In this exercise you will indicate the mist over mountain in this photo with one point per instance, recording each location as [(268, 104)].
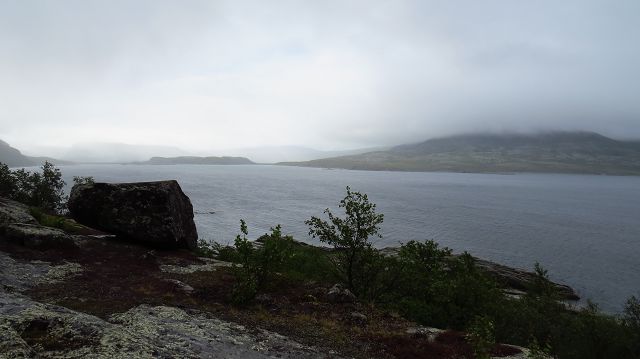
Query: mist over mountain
[(559, 152), (118, 152), (195, 160), (273, 154), (13, 157)]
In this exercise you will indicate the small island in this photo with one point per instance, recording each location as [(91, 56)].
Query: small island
[(195, 160)]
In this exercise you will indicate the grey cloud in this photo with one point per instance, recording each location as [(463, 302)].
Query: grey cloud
[(208, 75)]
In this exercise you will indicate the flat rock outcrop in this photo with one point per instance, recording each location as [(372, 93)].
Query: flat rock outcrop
[(155, 213), (521, 279), (33, 329), (14, 212), (36, 236)]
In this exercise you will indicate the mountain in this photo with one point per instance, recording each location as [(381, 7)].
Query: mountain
[(555, 152), (108, 152), (193, 160), (273, 154), (13, 157)]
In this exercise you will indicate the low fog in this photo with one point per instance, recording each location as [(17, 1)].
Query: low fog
[(214, 77)]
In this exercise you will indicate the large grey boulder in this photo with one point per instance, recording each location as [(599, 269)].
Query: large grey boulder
[(14, 212), (156, 213)]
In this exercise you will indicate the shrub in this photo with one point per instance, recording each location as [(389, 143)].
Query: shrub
[(537, 351), (256, 264), (7, 181), (82, 180), (480, 335), (309, 263), (43, 190), (206, 249), (356, 261)]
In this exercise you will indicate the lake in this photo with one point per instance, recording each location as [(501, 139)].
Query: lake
[(584, 229)]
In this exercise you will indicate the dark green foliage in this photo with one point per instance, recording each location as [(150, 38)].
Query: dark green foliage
[(55, 221), (206, 249), (632, 313), (356, 262), (81, 180), (631, 321), (43, 190), (257, 264), (437, 289), (481, 337), (309, 263), (537, 351), (7, 182)]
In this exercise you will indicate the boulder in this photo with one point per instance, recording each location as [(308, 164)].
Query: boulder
[(521, 280), (155, 213), (339, 294), (14, 212), (36, 236)]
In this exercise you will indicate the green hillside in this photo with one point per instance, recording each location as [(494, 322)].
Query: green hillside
[(559, 152)]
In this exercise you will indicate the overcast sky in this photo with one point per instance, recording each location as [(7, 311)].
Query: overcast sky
[(207, 75)]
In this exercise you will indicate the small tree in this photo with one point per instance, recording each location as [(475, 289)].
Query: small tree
[(83, 180), (481, 337), (7, 182), (350, 237), (43, 190), (258, 263), (48, 188)]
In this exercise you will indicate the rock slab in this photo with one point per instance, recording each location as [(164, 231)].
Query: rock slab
[(154, 213), (14, 212)]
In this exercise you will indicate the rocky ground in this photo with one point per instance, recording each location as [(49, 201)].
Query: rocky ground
[(99, 297), (32, 328)]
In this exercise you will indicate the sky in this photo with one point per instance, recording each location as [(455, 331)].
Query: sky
[(210, 75)]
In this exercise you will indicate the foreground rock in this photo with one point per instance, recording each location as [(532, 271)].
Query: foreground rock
[(36, 236), (156, 213), (14, 212), (521, 280), (31, 329)]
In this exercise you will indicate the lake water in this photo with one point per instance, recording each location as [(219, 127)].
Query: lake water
[(584, 229)]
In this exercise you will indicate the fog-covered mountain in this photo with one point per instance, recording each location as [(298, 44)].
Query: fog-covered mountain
[(559, 152), (14, 158), (194, 160), (273, 154), (118, 152)]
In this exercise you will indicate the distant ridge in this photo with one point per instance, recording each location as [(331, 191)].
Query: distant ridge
[(12, 157), (194, 160), (553, 152)]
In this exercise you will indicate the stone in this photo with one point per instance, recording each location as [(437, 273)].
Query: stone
[(14, 212), (263, 299), (424, 332), (339, 294), (36, 236), (179, 285), (521, 280), (358, 318), (153, 213)]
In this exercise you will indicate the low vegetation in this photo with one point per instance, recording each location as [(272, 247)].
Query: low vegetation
[(421, 282), (425, 283), (42, 189)]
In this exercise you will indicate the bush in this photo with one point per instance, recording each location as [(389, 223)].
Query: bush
[(480, 335), (256, 264), (43, 190), (356, 262), (82, 180)]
